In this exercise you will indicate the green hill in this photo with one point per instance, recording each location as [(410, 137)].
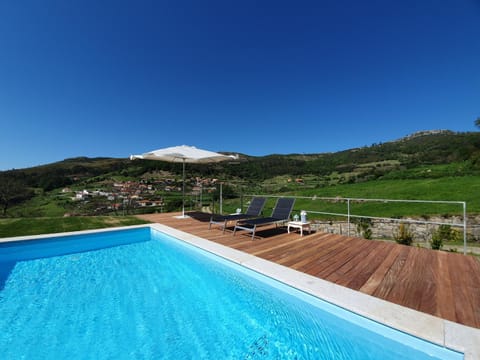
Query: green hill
[(440, 165)]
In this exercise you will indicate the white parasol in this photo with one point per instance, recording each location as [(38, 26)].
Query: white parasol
[(184, 154)]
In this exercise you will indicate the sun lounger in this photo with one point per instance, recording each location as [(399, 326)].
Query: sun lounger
[(254, 210), (281, 213)]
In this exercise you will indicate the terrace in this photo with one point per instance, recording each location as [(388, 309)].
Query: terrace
[(445, 285)]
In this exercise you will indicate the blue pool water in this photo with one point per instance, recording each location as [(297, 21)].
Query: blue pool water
[(142, 294)]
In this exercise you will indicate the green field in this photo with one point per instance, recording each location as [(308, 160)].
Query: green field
[(50, 210), (447, 188), (444, 189), (462, 189)]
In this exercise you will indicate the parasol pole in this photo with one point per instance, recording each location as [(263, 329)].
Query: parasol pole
[(183, 190)]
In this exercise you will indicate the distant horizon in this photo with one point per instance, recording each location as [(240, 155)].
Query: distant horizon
[(419, 133), (116, 78)]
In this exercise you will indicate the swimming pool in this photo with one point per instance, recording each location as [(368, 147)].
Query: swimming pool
[(140, 293)]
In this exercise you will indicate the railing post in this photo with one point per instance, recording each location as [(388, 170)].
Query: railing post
[(464, 228), (221, 200), (348, 216)]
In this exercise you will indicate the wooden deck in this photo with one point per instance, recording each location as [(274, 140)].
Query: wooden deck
[(443, 284)]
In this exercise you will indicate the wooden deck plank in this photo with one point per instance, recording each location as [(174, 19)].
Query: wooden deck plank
[(374, 281), (320, 261), (465, 289), (438, 283), (331, 266), (286, 251), (349, 263), (294, 255), (443, 279), (474, 288), (417, 280), (365, 267), (387, 284), (319, 246), (301, 244), (427, 293)]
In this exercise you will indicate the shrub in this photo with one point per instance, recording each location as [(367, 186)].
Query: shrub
[(403, 235), (436, 243), (363, 227), (442, 234)]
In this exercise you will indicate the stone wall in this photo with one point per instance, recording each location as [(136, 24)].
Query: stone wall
[(385, 229)]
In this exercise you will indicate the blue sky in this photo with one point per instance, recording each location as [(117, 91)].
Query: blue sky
[(114, 78)]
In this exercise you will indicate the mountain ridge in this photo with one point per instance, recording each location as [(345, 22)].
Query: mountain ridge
[(423, 148)]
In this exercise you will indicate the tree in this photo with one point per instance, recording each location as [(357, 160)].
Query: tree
[(12, 191), (477, 122)]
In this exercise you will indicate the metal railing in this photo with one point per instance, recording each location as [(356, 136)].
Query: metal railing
[(349, 215)]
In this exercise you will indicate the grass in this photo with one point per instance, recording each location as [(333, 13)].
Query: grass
[(464, 188), (48, 225), (50, 205), (442, 189)]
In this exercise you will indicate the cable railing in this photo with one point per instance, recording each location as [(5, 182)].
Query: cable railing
[(349, 214), (310, 205)]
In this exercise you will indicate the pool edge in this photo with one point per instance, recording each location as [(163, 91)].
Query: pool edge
[(70, 233)]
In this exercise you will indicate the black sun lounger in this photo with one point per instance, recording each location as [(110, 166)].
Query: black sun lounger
[(281, 213), (254, 210)]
